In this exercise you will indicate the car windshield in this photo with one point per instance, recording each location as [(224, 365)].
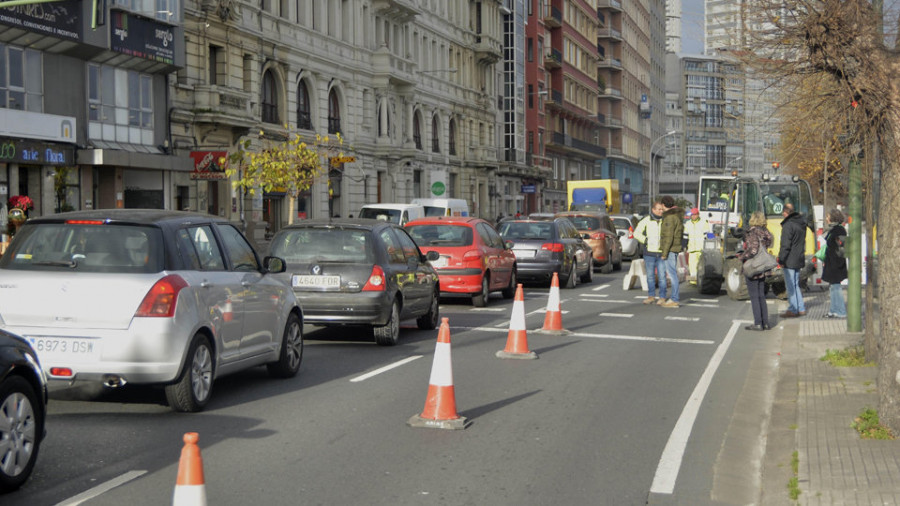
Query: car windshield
[(99, 247), (526, 230), (305, 245), (622, 223), (776, 195), (435, 211), (441, 235), (585, 222), (371, 213)]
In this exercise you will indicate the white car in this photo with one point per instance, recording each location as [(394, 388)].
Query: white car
[(147, 297)]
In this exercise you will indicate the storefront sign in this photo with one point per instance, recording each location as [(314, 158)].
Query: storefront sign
[(58, 19), (35, 152), (528, 188), (206, 165), (37, 125), (141, 37)]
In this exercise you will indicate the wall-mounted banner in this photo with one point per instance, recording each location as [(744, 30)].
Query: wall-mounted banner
[(206, 165), (137, 36), (35, 152), (56, 19)]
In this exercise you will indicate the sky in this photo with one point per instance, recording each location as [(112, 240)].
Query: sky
[(692, 26)]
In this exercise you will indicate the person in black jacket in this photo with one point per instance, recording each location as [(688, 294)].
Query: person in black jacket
[(792, 257), (835, 269)]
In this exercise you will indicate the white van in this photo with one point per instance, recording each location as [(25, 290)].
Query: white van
[(444, 207), (400, 214)]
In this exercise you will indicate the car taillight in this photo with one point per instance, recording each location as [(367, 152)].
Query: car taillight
[(162, 297), (600, 236), (553, 247), (376, 280)]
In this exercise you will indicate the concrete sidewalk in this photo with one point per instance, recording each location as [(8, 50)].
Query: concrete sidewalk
[(815, 404)]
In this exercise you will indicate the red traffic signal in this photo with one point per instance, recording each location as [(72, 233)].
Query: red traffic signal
[(775, 165)]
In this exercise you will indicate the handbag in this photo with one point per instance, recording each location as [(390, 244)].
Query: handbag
[(763, 261), (820, 255)]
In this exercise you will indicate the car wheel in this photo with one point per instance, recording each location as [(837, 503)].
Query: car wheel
[(510, 291), (291, 354), (389, 334), (589, 275), (21, 428), (429, 320), (192, 390), (617, 266), (481, 299), (572, 278)]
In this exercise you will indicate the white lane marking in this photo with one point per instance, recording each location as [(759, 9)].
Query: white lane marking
[(536, 311), (101, 488), (640, 296), (594, 295), (601, 287), (605, 336), (692, 304), (617, 315), (673, 454), (488, 309), (386, 368), (714, 301), (501, 325), (615, 301), (683, 318)]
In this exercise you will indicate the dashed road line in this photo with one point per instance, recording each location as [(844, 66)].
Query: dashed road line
[(705, 300), (694, 304), (91, 493), (617, 315), (601, 287), (488, 309), (386, 368), (593, 295), (683, 318)]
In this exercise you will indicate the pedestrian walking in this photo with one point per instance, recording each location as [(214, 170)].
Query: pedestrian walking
[(835, 269), (696, 229), (647, 233), (670, 234), (792, 258), (757, 238)]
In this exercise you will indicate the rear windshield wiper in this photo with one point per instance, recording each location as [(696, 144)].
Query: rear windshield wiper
[(56, 263)]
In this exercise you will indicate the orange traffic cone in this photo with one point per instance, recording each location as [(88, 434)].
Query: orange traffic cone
[(517, 338), (190, 489), (553, 318), (440, 404)]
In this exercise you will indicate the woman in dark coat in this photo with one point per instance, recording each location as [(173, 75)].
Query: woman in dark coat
[(835, 269), (757, 237)]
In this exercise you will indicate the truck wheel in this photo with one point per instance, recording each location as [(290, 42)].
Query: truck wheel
[(735, 281), (709, 272)]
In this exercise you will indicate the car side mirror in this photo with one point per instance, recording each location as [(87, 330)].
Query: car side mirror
[(274, 265), (509, 244), (431, 256)]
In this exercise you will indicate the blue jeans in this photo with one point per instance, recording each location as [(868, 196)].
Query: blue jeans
[(655, 275), (838, 307), (672, 271), (795, 298)]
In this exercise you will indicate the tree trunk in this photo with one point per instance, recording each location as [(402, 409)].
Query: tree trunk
[(293, 199), (889, 268), (871, 339)]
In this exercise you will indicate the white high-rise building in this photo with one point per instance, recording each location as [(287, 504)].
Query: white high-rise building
[(673, 26)]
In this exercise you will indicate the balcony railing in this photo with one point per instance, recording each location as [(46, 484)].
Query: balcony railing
[(552, 58), (568, 141), (552, 16), (609, 4), (609, 33)]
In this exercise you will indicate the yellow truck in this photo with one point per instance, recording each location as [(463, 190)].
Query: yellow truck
[(594, 195)]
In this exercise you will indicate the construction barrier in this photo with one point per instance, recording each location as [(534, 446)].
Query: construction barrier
[(517, 337), (553, 318)]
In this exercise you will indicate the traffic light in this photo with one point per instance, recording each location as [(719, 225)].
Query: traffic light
[(775, 165)]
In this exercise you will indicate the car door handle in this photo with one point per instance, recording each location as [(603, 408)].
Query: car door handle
[(245, 283), (205, 284)]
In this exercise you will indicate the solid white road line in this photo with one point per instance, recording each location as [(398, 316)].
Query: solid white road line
[(683, 318), (617, 315), (692, 304), (601, 287), (101, 488), (488, 309), (594, 295), (604, 336), (714, 301), (673, 454), (386, 368)]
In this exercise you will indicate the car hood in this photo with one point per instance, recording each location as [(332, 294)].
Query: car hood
[(71, 300)]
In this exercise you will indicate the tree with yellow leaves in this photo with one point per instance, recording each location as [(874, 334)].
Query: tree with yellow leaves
[(291, 166)]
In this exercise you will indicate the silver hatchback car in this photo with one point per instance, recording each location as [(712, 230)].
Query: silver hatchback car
[(148, 297)]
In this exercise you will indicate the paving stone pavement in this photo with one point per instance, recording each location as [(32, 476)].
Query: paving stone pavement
[(836, 467)]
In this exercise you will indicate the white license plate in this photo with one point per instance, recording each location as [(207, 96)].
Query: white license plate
[(440, 262), (65, 349), (524, 253), (316, 281)]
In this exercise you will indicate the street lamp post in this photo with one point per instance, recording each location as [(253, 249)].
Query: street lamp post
[(661, 137)]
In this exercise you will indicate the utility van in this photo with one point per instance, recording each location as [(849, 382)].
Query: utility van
[(443, 207), (401, 214)]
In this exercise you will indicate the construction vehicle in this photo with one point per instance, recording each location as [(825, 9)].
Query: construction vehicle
[(719, 263), (594, 195), (713, 199)]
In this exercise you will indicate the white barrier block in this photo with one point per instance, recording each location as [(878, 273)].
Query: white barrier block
[(637, 272)]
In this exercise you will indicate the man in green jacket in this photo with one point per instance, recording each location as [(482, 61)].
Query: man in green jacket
[(647, 232), (671, 231)]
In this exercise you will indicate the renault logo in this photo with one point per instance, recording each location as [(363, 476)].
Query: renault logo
[(316, 269)]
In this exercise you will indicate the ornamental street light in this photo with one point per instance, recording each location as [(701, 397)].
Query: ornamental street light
[(661, 137)]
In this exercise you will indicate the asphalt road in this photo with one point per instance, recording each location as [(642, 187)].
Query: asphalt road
[(604, 416)]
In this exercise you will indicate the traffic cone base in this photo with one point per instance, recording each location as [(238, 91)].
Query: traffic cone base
[(553, 318), (440, 403), (517, 338), (190, 486)]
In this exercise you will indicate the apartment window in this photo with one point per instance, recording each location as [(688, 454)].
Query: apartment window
[(304, 120), (435, 135), (530, 96), (334, 113), (417, 131), (215, 61), (530, 49), (120, 105), (21, 79), (269, 98), (452, 135)]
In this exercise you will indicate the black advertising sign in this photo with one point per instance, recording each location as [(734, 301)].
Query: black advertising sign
[(35, 152), (137, 36), (57, 19)]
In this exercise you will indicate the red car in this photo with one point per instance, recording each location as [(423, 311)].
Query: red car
[(474, 259)]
